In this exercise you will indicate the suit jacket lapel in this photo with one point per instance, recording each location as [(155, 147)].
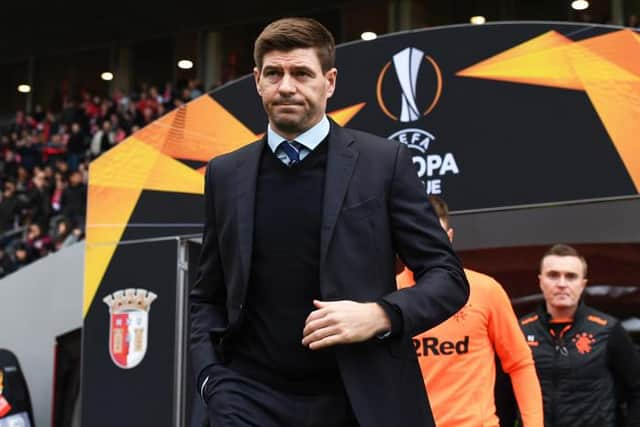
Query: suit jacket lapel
[(245, 181), (341, 160)]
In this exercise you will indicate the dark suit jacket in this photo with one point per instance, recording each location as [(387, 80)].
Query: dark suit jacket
[(374, 208)]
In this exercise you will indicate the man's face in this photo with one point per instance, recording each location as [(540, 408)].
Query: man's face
[(21, 254), (75, 178), (294, 89), (562, 281), (9, 189)]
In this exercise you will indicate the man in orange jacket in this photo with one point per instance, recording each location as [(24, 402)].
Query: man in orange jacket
[(457, 357)]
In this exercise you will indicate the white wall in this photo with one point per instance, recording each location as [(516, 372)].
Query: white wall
[(38, 303)]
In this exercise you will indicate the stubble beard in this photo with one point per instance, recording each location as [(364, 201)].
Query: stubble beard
[(291, 124)]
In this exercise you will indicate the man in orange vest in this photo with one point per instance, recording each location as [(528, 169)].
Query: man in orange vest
[(457, 357)]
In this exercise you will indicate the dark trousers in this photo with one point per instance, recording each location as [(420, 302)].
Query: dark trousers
[(237, 401)]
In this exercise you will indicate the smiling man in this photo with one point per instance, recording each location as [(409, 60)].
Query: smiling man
[(295, 317), (585, 361)]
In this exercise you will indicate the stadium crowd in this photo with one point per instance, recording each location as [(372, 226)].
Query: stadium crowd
[(44, 162)]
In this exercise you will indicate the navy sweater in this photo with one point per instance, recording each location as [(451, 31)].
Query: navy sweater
[(285, 279)]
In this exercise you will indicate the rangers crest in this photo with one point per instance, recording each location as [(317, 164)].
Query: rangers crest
[(129, 325)]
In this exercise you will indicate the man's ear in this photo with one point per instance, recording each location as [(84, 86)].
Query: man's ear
[(256, 76), (585, 282), (450, 233), (331, 77)]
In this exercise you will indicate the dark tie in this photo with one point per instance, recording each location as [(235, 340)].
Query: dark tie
[(291, 151)]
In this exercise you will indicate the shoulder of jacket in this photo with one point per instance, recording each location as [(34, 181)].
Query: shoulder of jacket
[(599, 318), (371, 140), (488, 288), (529, 319), (482, 278), (232, 157)]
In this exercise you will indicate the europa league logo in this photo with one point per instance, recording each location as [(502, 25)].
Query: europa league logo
[(407, 64)]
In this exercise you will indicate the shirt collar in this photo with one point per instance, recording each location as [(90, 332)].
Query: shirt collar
[(311, 138)]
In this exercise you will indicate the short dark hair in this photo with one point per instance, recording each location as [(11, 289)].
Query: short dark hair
[(441, 209), (560, 249), (293, 33)]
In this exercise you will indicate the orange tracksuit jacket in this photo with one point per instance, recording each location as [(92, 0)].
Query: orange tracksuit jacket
[(457, 359)]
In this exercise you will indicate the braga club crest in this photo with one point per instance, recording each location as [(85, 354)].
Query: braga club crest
[(408, 88), (128, 325)]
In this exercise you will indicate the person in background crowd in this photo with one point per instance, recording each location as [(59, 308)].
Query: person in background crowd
[(59, 143), (76, 146), (10, 164), (6, 263), (22, 256), (38, 113), (38, 242), (29, 150), (23, 178), (64, 235), (39, 198), (60, 184), (9, 207), (74, 199), (103, 139), (586, 363), (457, 357), (195, 88)]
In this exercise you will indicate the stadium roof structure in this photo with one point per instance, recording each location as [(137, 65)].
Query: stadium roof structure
[(53, 27)]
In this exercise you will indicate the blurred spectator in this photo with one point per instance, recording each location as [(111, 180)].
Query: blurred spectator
[(633, 21), (44, 159), (64, 235), (154, 94), (6, 263), (38, 198), (20, 123), (58, 189), (21, 257), (50, 126), (121, 99), (28, 149), (143, 102), (90, 105), (148, 116), (74, 199), (103, 139), (76, 146), (195, 88), (38, 113), (8, 207), (70, 113), (38, 242), (9, 165), (55, 148), (168, 95), (63, 167)]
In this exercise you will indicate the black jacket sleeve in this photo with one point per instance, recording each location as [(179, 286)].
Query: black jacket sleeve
[(208, 296), (441, 287), (624, 360)]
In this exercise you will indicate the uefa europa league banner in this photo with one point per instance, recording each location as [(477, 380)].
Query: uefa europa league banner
[(495, 116)]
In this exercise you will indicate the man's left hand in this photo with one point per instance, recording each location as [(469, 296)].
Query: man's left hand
[(343, 322)]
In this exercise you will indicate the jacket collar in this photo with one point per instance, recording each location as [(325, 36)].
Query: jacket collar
[(341, 161), (545, 317)]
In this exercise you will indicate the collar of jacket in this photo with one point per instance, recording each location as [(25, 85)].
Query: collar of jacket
[(545, 317)]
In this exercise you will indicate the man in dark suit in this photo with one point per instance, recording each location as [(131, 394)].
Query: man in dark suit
[(296, 320)]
